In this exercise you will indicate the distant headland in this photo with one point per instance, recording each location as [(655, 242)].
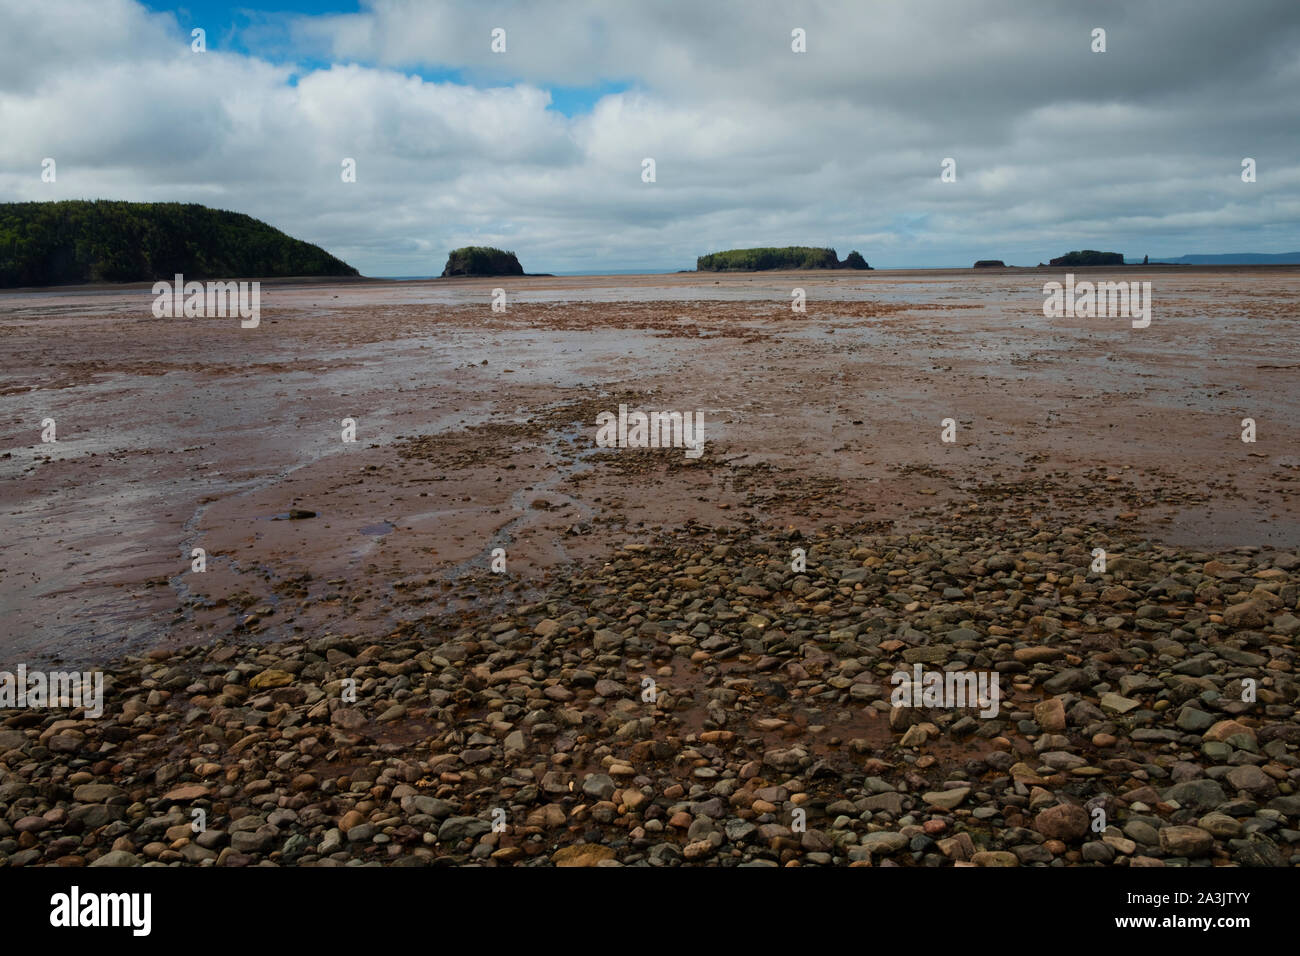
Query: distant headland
[(81, 241)]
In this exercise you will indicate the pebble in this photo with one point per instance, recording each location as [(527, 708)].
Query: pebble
[(1119, 690)]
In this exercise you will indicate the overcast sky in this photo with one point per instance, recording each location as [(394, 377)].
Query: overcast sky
[(539, 149)]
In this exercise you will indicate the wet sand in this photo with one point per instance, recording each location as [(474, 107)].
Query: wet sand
[(475, 431)]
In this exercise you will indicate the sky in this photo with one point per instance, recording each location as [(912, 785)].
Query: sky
[(541, 148)]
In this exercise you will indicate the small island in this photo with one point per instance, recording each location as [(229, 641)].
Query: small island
[(1089, 257), (83, 241), (990, 264), (786, 257), (481, 261)]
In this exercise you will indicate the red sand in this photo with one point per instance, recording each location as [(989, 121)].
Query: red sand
[(182, 433)]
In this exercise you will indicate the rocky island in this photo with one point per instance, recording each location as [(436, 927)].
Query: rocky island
[(785, 257), (1089, 257), (481, 261)]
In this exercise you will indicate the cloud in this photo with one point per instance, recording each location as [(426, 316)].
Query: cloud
[(1137, 149)]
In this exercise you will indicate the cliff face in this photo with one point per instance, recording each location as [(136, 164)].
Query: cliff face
[(51, 243), (481, 261)]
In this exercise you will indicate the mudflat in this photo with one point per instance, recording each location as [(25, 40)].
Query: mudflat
[(769, 671), (476, 430)]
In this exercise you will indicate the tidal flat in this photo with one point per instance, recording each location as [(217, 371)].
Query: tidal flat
[(643, 657)]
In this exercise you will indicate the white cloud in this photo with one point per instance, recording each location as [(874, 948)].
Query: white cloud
[(1137, 149)]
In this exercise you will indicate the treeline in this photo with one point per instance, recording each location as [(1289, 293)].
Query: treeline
[(481, 261), (785, 257), (75, 241), (1089, 257)]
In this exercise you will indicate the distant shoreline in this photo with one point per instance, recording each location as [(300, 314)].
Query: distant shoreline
[(828, 275)]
